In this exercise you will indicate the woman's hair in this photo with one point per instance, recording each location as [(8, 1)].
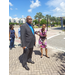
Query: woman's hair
[(10, 26)]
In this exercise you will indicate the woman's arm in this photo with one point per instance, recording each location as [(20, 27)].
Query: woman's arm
[(9, 35), (15, 35)]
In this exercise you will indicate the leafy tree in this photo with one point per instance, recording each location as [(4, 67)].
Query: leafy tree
[(38, 16), (53, 19), (43, 21), (36, 22)]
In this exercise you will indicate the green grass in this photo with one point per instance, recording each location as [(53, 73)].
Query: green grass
[(63, 30), (38, 27)]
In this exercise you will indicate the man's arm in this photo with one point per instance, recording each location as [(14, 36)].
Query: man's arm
[(23, 38)]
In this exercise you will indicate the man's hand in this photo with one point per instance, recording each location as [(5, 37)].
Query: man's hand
[(24, 47), (16, 36), (19, 37)]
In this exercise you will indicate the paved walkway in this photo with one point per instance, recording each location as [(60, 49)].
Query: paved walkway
[(55, 65)]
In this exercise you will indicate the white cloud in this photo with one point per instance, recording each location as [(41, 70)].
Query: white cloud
[(16, 9), (54, 3), (15, 15), (22, 16), (30, 10), (10, 17), (58, 7), (10, 4), (11, 9), (47, 12), (34, 5)]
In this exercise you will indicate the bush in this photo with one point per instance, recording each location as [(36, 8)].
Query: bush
[(15, 23), (59, 23)]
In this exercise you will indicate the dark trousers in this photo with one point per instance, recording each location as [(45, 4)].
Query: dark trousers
[(27, 55), (12, 42)]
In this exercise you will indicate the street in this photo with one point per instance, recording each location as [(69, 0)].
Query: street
[(57, 42)]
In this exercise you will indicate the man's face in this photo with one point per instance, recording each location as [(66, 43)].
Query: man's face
[(29, 20)]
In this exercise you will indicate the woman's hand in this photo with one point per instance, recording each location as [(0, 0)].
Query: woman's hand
[(9, 38), (16, 37)]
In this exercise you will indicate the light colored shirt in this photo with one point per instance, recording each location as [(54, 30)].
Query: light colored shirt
[(19, 32)]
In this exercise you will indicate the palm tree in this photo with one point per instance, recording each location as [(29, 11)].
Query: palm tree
[(53, 19), (38, 16), (57, 20)]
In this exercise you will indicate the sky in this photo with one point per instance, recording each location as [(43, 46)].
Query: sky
[(23, 8)]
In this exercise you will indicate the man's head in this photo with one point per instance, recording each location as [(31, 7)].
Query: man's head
[(20, 25), (29, 19)]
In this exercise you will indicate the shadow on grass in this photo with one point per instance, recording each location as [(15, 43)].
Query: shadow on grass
[(60, 56)]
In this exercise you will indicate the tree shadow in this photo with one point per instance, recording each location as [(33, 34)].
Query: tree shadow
[(58, 28), (60, 56), (37, 52), (61, 69)]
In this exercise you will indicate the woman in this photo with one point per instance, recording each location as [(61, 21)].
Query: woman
[(12, 35), (43, 39)]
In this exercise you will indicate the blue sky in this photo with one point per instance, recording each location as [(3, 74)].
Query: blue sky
[(23, 8)]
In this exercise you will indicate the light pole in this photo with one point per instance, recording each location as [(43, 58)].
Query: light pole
[(51, 24), (47, 22)]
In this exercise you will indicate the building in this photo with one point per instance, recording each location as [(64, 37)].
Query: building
[(17, 20)]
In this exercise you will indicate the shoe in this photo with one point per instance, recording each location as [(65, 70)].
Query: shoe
[(47, 57), (41, 56), (10, 48), (26, 67), (32, 62), (14, 47)]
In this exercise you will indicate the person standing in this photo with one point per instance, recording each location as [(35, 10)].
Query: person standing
[(43, 39), (19, 34), (19, 31), (27, 41), (12, 35)]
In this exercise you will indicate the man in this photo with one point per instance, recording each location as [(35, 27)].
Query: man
[(27, 41), (19, 32)]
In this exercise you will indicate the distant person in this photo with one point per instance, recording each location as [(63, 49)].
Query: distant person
[(19, 32), (12, 35), (43, 39), (27, 41)]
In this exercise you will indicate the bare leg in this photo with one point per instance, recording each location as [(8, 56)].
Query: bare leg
[(41, 52), (46, 52)]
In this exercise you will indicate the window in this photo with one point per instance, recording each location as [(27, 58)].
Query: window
[(9, 20), (14, 21)]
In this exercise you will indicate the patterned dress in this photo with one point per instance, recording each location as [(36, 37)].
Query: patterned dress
[(42, 39)]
